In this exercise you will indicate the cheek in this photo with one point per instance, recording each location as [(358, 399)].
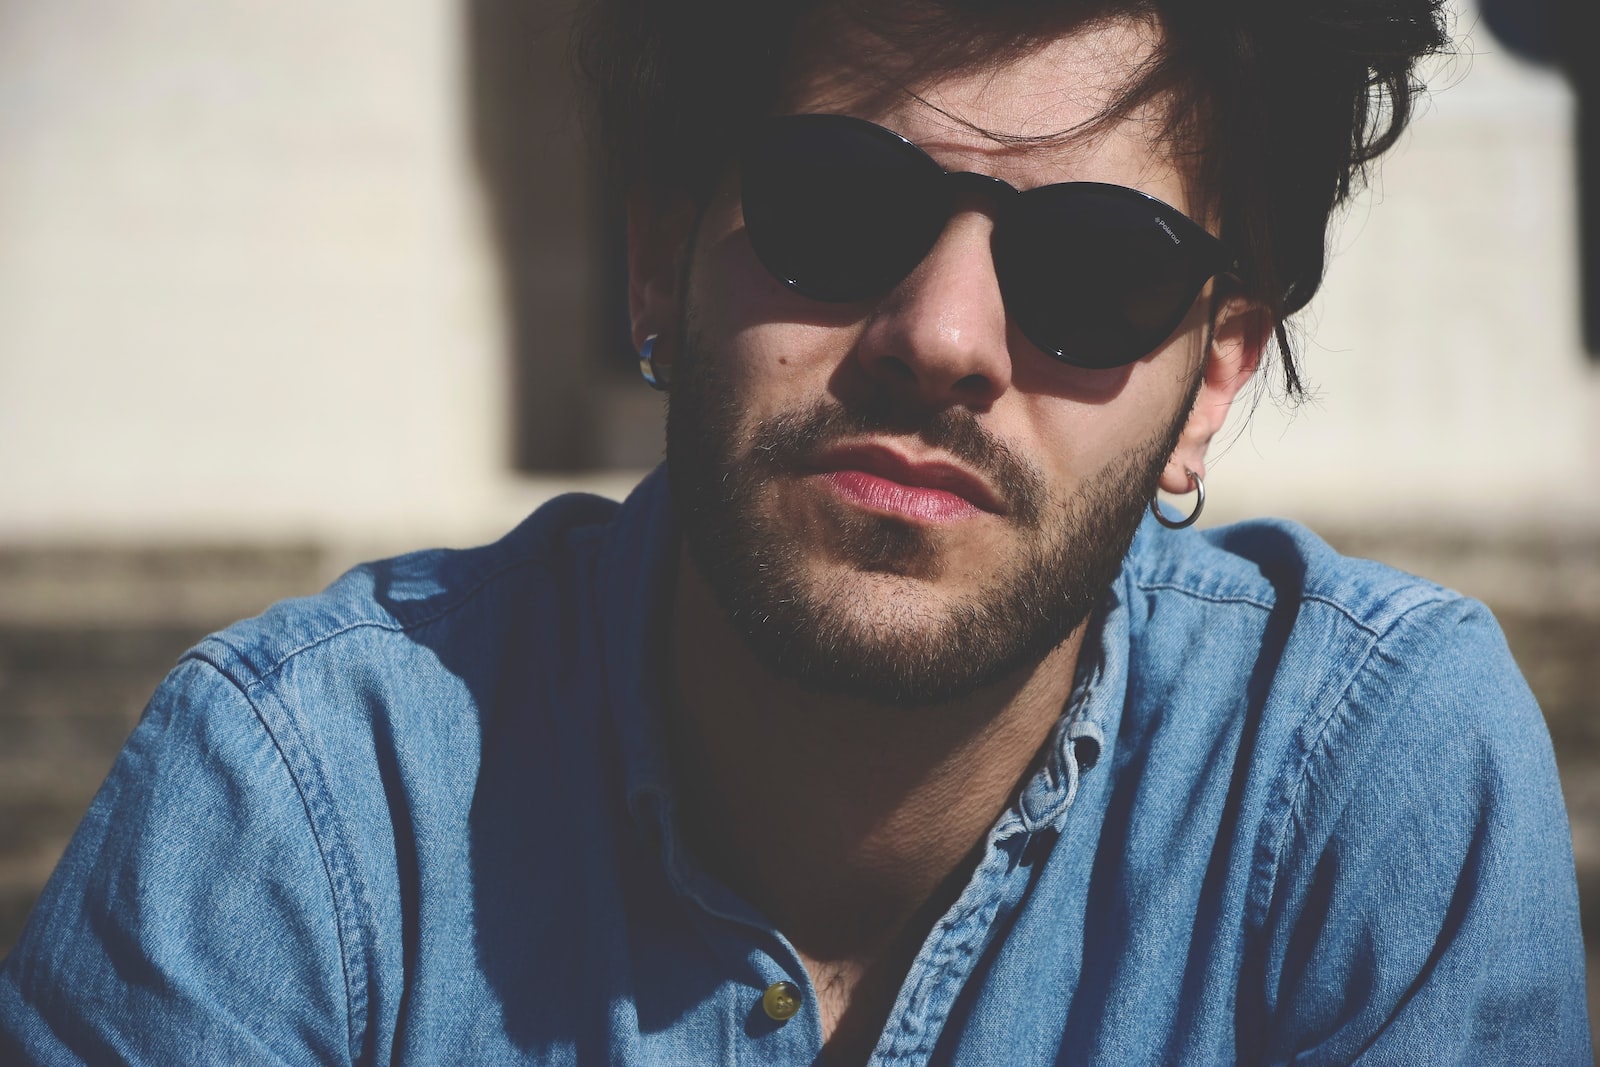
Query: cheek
[(731, 288), (1083, 431), (773, 348)]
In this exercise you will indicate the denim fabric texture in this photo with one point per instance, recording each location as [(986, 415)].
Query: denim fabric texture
[(1299, 808)]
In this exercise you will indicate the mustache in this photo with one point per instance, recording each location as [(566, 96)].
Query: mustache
[(788, 442)]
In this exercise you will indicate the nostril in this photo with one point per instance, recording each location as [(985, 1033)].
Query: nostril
[(895, 367), (974, 383)]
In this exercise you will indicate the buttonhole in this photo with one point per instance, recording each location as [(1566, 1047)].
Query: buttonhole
[(1086, 752)]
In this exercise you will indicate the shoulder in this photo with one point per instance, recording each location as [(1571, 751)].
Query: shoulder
[(1272, 587), (1399, 795), (1362, 695), (1350, 643), (1271, 563), (1407, 872), (1268, 598), (385, 602), (394, 676)]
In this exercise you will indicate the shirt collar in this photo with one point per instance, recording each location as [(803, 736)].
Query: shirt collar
[(1084, 734)]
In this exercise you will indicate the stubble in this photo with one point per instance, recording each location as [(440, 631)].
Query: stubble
[(874, 623)]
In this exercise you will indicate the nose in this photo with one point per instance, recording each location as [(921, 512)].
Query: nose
[(939, 338)]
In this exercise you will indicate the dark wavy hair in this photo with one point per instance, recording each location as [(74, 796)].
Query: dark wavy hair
[(1279, 106)]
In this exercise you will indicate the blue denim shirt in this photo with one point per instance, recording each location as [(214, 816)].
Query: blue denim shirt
[(1299, 808)]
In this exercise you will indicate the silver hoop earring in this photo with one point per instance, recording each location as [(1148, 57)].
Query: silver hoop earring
[(658, 377), (1199, 505)]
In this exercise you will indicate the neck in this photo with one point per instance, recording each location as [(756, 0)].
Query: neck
[(850, 824)]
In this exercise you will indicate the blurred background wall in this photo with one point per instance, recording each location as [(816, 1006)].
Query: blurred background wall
[(288, 270), (283, 285)]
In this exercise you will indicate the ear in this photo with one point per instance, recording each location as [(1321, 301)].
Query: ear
[(1239, 334), (659, 234)]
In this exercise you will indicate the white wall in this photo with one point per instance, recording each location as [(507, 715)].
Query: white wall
[(243, 288), (1445, 352), (244, 291)]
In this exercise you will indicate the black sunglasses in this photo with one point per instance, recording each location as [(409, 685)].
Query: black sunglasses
[(840, 210)]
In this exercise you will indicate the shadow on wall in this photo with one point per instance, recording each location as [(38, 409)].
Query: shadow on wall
[(557, 239), (1562, 32)]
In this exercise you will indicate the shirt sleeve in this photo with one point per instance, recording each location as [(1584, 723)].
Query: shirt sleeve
[(192, 917), (1423, 906)]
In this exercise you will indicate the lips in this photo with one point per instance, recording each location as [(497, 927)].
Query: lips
[(882, 479)]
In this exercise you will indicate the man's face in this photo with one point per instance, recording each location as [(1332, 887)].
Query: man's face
[(903, 498)]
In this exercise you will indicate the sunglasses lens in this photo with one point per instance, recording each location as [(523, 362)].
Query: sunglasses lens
[(1097, 276), (838, 209)]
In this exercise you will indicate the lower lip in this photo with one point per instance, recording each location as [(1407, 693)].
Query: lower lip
[(895, 498)]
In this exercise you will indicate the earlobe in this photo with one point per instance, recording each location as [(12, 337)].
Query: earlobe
[(1239, 335)]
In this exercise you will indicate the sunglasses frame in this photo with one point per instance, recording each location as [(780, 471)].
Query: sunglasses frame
[(1207, 256)]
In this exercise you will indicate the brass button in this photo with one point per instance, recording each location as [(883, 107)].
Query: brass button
[(781, 1001)]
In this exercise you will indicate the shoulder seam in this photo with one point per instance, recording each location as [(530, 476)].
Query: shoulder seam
[(1436, 595), (391, 624), (1274, 836), (1211, 598), (356, 995)]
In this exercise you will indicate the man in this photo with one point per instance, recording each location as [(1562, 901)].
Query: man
[(877, 727)]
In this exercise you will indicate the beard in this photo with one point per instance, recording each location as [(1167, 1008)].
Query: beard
[(878, 628)]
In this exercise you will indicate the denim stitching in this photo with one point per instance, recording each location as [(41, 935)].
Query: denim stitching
[(390, 624), (1210, 598), (334, 868), (1435, 596), (1269, 863)]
